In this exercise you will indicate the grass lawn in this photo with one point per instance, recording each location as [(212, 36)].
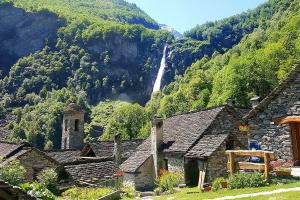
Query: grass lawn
[(194, 194), (281, 196), (84, 193)]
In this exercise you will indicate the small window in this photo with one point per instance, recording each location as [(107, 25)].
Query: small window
[(66, 125), (166, 164), (65, 143), (76, 124)]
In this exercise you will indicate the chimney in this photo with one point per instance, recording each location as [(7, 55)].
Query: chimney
[(156, 142), (255, 101), (118, 149)]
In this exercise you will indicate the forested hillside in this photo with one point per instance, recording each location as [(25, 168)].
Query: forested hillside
[(95, 53), (219, 36), (57, 52), (253, 67)]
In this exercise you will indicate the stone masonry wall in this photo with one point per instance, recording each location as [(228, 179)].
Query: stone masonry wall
[(72, 139), (145, 175), (175, 164), (273, 137), (217, 164), (34, 163)]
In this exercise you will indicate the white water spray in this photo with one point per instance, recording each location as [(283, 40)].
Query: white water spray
[(161, 71)]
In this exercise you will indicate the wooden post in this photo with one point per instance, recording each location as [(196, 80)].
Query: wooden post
[(267, 161), (231, 160)]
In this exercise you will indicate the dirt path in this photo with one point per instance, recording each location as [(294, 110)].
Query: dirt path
[(259, 194)]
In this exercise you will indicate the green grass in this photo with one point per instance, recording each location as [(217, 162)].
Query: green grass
[(194, 193), (84, 193), (281, 196)]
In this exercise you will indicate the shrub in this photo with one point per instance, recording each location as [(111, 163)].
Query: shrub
[(37, 190), (169, 180), (129, 191), (86, 193), (13, 173), (217, 183), (241, 180), (48, 178)]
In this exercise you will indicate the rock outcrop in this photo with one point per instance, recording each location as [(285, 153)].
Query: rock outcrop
[(23, 33)]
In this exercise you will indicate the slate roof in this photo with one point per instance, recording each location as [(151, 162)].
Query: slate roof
[(73, 108), (277, 91), (206, 146), (64, 156), (184, 130), (92, 172), (8, 148), (104, 149), (23, 151), (181, 132), (9, 189), (138, 158)]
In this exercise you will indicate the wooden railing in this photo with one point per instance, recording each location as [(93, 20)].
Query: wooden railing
[(232, 165)]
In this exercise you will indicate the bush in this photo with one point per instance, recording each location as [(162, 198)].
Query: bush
[(217, 183), (37, 190), (129, 191), (13, 173), (86, 193), (241, 180), (169, 180), (48, 179)]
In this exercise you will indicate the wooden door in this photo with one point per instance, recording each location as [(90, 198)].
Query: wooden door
[(295, 139)]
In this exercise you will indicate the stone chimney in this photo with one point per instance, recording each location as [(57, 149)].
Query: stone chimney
[(118, 149), (255, 101), (156, 142)]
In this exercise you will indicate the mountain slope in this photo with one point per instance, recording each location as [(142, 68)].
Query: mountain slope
[(96, 49), (204, 40), (253, 67)]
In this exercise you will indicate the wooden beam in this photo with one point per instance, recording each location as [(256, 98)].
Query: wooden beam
[(248, 165), (266, 165), (257, 153), (287, 120)]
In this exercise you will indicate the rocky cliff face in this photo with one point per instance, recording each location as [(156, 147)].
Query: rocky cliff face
[(23, 33)]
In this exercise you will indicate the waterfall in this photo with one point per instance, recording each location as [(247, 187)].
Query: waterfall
[(161, 71)]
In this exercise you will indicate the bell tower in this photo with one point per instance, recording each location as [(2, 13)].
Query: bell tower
[(73, 127)]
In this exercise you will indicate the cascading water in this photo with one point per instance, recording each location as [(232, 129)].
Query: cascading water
[(161, 71)]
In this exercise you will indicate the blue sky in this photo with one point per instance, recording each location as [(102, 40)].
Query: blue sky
[(185, 14)]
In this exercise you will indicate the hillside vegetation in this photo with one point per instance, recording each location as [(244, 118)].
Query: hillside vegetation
[(253, 67), (219, 36), (98, 50)]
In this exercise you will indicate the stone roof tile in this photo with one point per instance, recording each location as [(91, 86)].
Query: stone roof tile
[(206, 146), (92, 172), (106, 148), (64, 156)]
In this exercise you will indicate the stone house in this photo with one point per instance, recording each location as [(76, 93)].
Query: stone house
[(187, 143), (275, 121), (32, 159), (9, 192)]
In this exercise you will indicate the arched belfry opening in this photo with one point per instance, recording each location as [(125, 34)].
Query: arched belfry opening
[(73, 127)]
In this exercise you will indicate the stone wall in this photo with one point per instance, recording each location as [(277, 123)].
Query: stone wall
[(175, 163), (273, 137), (217, 164), (34, 162), (72, 139), (226, 123), (145, 175), (143, 178)]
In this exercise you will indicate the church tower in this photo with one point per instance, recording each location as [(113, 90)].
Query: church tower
[(73, 127)]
